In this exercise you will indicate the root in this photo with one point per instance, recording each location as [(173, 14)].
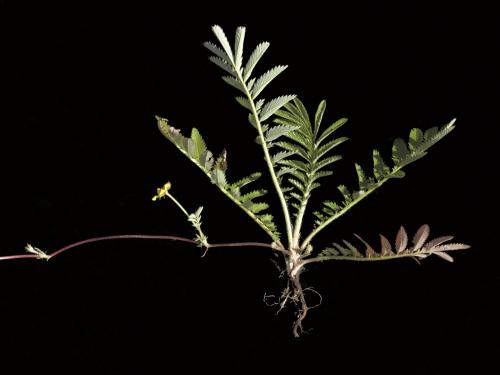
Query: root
[(294, 294)]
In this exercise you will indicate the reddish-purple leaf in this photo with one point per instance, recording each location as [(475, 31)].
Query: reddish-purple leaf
[(401, 240), (369, 252), (444, 256), (420, 237), (386, 246), (451, 246), (437, 241)]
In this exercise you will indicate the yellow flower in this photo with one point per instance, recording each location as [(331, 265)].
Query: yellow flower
[(162, 192)]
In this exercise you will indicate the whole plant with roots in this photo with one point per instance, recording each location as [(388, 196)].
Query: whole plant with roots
[(297, 149)]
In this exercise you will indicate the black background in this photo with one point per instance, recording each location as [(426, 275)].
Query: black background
[(81, 157)]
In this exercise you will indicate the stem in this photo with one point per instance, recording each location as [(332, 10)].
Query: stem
[(178, 204), (143, 237), (21, 256), (346, 208), (232, 198), (286, 213), (300, 216)]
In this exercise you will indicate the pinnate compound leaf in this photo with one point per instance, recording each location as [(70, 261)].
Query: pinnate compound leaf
[(436, 247)]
